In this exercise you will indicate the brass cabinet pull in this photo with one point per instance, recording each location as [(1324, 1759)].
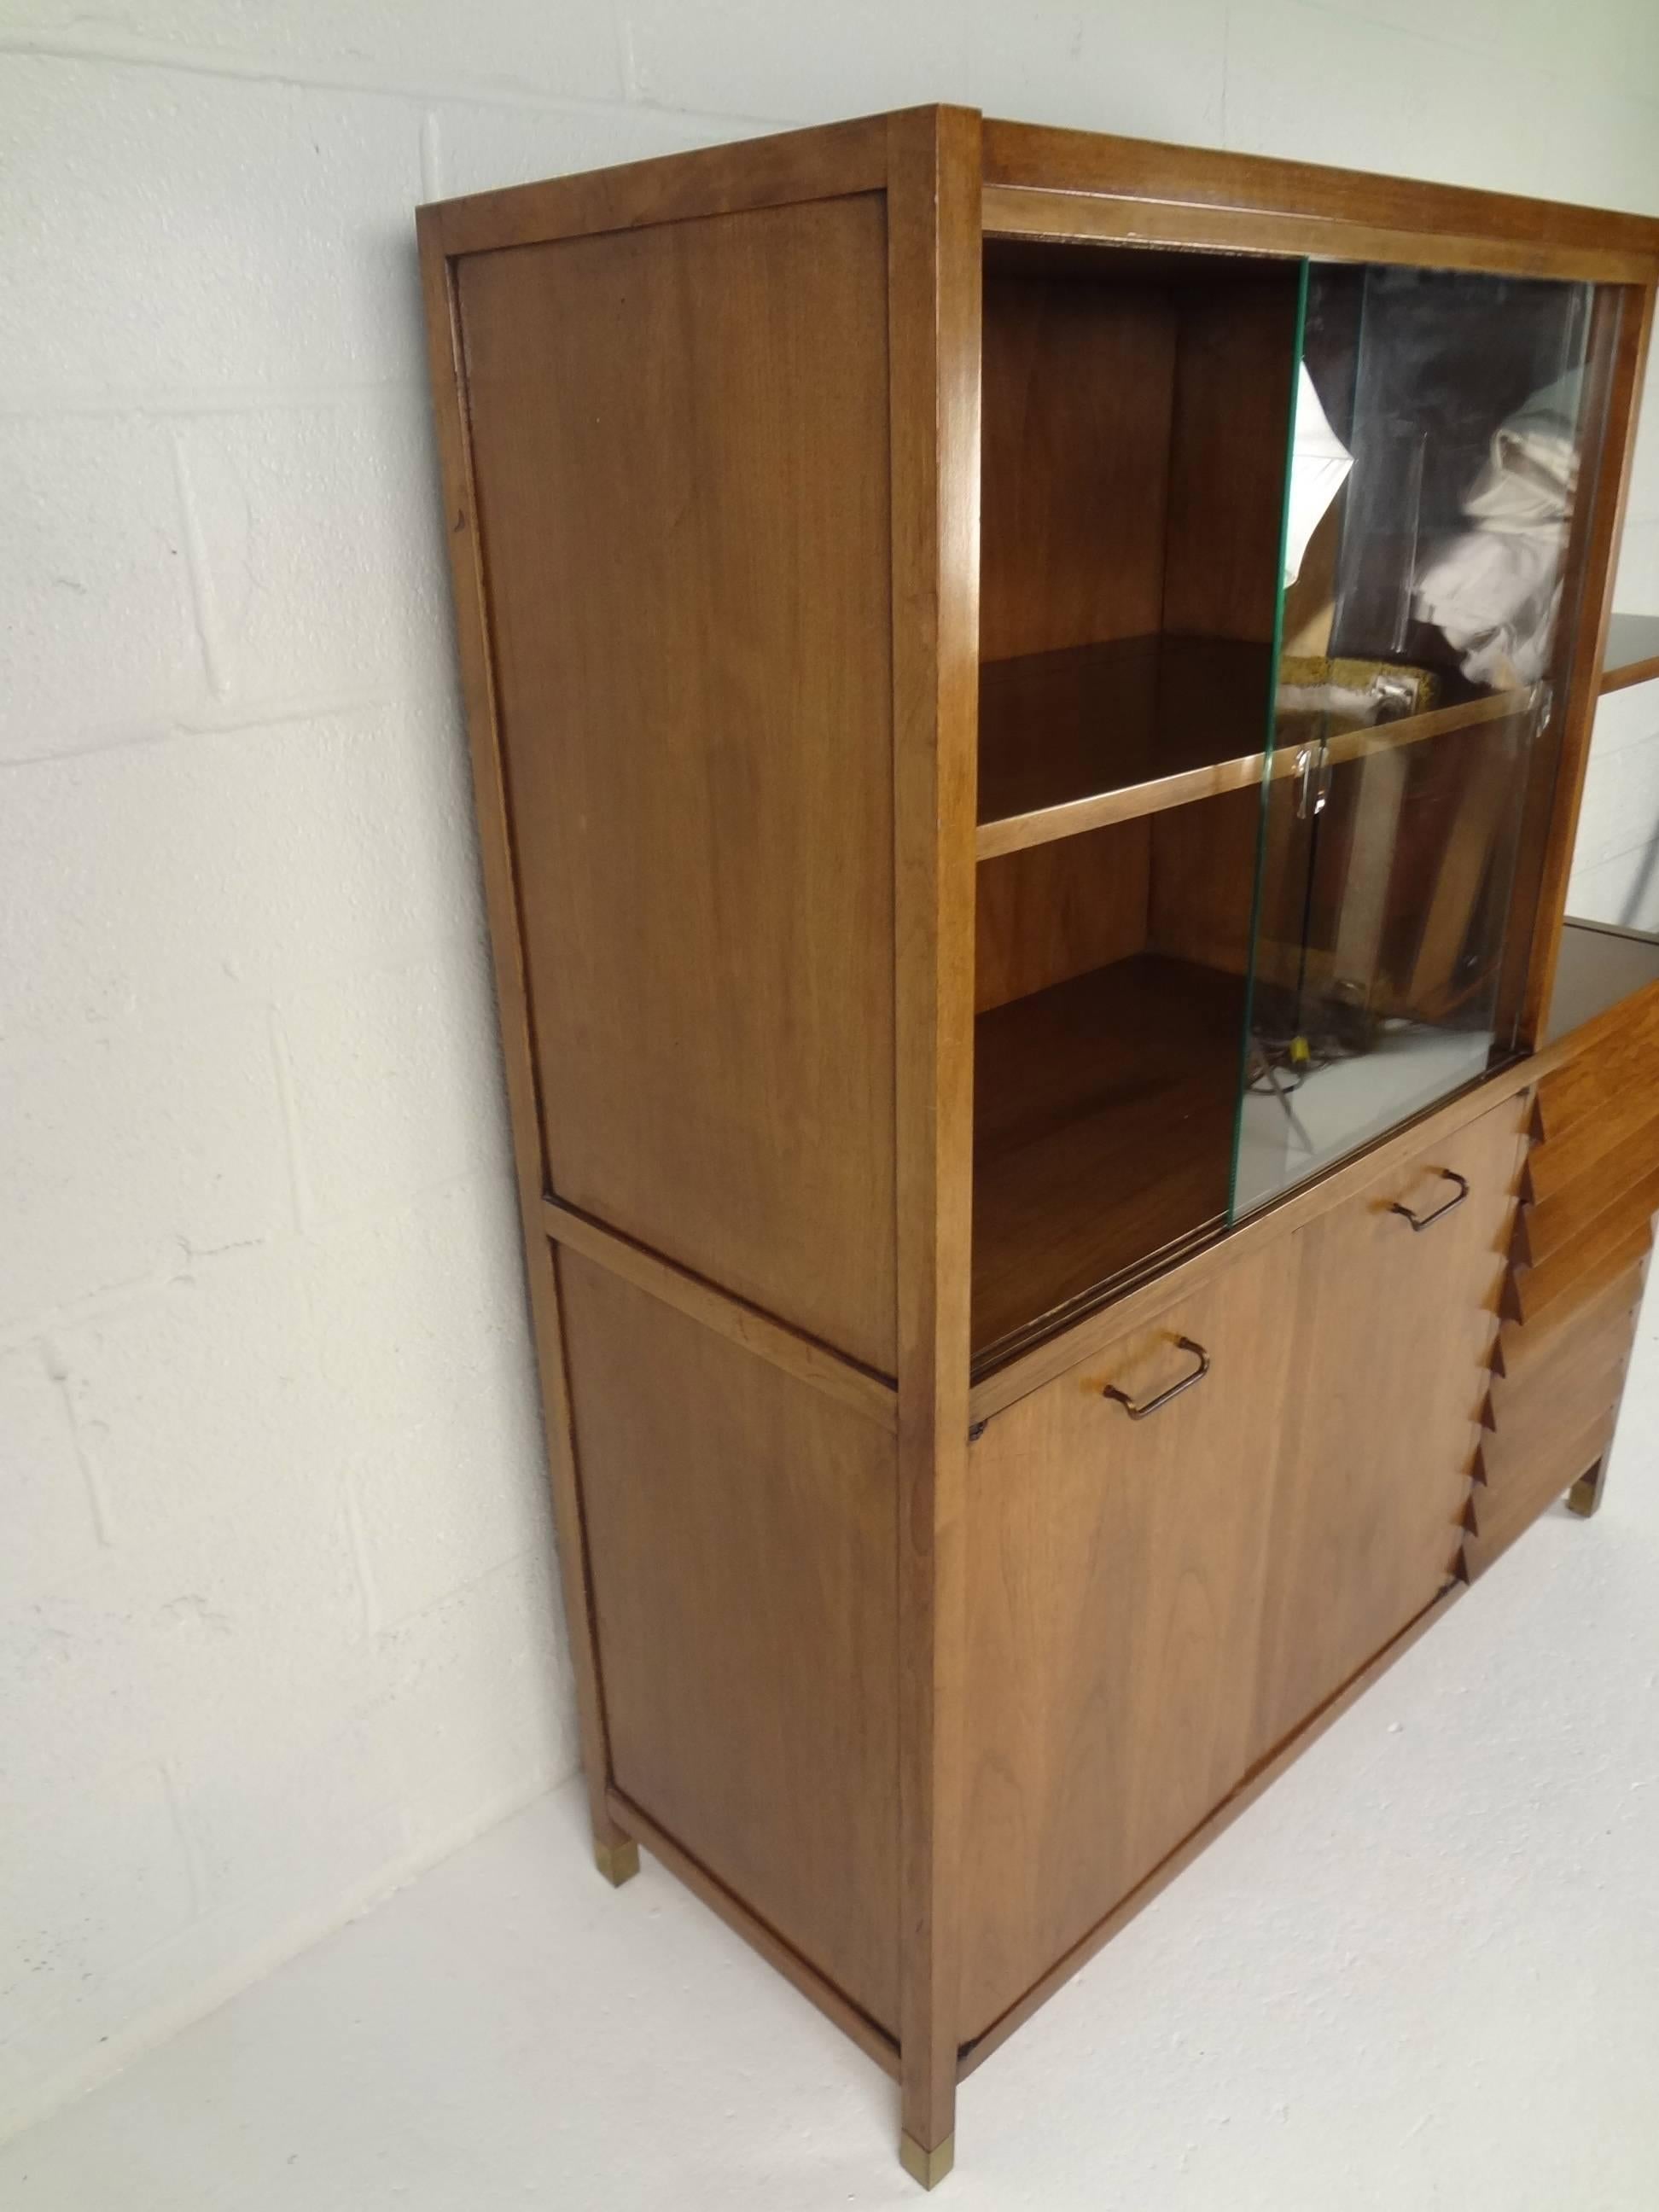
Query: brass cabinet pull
[(1140, 1413), (1422, 1220)]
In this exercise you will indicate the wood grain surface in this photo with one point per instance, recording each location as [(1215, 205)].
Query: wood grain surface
[(1117, 1573), (740, 1527), (687, 563), (1393, 1331)]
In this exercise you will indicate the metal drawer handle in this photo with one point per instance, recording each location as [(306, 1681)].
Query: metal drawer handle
[(1422, 1220), (1140, 1413)]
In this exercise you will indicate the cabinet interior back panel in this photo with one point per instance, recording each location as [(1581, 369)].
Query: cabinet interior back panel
[(680, 448), (1078, 390)]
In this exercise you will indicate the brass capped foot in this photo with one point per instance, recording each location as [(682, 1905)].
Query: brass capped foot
[(617, 1862), (929, 2167)]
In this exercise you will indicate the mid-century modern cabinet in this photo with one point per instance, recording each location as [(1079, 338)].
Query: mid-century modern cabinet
[(1029, 695)]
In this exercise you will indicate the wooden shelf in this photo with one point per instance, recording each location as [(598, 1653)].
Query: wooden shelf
[(1103, 1112), (1632, 653), (1070, 741)]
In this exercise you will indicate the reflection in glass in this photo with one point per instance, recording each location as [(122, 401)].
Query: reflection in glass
[(1277, 561), (1440, 431)]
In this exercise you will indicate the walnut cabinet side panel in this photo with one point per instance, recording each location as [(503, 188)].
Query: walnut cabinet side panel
[(712, 470), (679, 446), (741, 1537)]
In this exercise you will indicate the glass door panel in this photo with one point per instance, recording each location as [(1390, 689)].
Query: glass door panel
[(1277, 559), (1444, 425)]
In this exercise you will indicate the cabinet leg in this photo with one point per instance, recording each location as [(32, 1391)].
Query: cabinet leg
[(615, 1852), (927, 2113), (616, 1855), (929, 2167), (1584, 1499)]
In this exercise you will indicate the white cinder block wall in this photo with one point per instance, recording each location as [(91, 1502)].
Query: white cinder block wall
[(277, 1619)]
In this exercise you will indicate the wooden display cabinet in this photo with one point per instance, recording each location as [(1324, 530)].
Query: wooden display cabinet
[(1029, 695)]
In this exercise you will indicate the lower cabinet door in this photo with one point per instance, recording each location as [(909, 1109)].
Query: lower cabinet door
[(1396, 1309), (1117, 1558)]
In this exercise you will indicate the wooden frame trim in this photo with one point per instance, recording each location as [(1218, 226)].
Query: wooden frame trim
[(1028, 211), (501, 899), (1355, 212), (975, 2053), (802, 1356), (824, 162), (1073, 183), (1086, 1337), (934, 268), (1606, 522), (870, 2039)]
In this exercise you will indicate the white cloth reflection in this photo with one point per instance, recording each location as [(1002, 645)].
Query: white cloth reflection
[(1494, 591)]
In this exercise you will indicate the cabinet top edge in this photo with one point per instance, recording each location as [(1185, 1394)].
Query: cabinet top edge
[(828, 159), (1039, 157)]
